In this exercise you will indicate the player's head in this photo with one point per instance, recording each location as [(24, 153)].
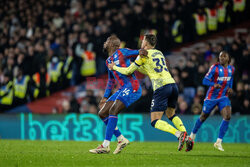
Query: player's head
[(112, 43), (149, 41), (224, 58)]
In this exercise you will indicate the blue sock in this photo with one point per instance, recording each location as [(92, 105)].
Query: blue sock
[(117, 133), (197, 126), (223, 128), (111, 127)]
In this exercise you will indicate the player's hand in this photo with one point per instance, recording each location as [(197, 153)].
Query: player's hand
[(102, 102), (143, 52), (111, 65), (217, 86), (230, 91)]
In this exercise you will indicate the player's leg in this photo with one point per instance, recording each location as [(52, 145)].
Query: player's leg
[(225, 108), (111, 126), (157, 123), (170, 112), (126, 97), (104, 115), (206, 110), (158, 106), (198, 124), (113, 113)]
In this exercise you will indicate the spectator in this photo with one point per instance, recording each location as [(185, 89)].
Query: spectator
[(74, 105), (188, 79), (196, 107), (41, 81), (246, 107)]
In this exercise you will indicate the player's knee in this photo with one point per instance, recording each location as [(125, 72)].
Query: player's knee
[(113, 111), (170, 113), (154, 122), (172, 117), (101, 115), (203, 118), (227, 117)]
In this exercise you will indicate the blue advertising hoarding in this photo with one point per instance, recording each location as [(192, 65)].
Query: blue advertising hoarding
[(136, 127)]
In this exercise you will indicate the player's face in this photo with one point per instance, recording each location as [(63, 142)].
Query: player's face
[(223, 58)]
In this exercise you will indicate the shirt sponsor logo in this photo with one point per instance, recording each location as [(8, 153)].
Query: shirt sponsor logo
[(223, 78)]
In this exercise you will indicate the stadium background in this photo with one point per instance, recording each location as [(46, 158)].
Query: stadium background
[(51, 62)]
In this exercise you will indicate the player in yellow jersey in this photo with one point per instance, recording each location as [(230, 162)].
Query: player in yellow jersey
[(165, 90)]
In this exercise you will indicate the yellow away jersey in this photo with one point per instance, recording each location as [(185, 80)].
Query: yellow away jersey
[(154, 65)]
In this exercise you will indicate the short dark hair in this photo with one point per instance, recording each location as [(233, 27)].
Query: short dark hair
[(151, 38)]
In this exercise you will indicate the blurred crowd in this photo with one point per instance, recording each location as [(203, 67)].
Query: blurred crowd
[(49, 45)]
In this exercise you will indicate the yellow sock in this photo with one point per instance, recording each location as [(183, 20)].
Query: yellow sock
[(164, 126), (178, 124)]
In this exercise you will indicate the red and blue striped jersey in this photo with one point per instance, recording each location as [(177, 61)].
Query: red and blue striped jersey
[(121, 58), (218, 74)]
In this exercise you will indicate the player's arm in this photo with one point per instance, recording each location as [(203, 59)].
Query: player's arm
[(208, 79), (133, 53), (109, 87), (141, 70), (128, 70), (207, 82)]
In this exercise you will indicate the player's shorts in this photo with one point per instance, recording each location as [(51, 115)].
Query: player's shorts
[(126, 95), (164, 97), (209, 105)]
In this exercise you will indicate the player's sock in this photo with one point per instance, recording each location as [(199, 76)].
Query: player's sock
[(120, 138), (197, 126), (106, 143), (164, 126), (219, 140), (110, 128), (223, 128), (192, 136), (178, 123), (117, 133)]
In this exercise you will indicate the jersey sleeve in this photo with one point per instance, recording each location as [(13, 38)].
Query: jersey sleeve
[(210, 73), (140, 60), (126, 70), (129, 53), (207, 82), (141, 70), (110, 84)]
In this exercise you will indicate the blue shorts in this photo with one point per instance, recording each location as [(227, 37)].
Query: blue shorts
[(209, 105), (164, 97), (126, 95)]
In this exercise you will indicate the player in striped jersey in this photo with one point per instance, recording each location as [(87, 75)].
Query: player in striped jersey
[(129, 91), (220, 81)]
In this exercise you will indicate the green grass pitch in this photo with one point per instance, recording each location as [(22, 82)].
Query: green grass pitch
[(15, 153)]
